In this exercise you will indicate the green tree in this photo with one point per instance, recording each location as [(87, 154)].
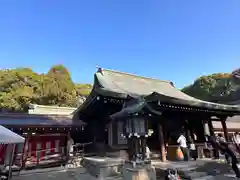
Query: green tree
[(83, 89), (60, 86), (17, 87), (21, 86), (220, 87)]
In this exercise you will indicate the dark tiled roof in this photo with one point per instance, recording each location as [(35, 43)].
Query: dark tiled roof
[(123, 84), (130, 84), (39, 120), (136, 85)]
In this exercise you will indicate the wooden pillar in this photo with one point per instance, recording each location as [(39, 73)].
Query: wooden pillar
[(25, 151), (205, 128), (211, 130), (187, 129), (143, 146), (130, 148), (162, 145), (191, 131), (210, 126), (225, 130)]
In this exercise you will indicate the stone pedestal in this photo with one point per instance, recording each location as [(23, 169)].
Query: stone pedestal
[(103, 167), (141, 171)]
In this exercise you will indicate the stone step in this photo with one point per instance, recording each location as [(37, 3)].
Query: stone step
[(204, 178), (193, 175), (198, 170), (218, 177)]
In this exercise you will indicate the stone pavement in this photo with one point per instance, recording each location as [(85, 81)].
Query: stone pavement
[(75, 174), (203, 169), (59, 174), (198, 170)]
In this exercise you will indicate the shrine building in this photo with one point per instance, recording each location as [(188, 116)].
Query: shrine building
[(166, 109)]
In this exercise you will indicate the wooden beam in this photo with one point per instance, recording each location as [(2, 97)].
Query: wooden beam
[(162, 145), (225, 130)]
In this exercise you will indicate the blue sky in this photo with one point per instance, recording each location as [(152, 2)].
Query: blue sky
[(175, 40)]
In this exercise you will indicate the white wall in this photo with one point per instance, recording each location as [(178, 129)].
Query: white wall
[(40, 109)]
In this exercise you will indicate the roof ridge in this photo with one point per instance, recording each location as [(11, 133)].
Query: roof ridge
[(26, 115), (52, 107), (135, 75)]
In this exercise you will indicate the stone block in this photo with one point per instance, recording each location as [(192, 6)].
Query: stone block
[(139, 172)]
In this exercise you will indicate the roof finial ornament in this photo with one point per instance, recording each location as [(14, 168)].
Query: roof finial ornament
[(99, 69)]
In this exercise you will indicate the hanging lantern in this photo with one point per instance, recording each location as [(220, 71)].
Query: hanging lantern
[(135, 126)]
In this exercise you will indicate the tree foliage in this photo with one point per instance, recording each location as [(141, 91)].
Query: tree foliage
[(220, 87), (21, 86)]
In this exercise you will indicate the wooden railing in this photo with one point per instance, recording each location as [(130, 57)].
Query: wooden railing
[(29, 160)]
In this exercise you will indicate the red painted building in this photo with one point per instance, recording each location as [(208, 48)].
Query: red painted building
[(46, 137)]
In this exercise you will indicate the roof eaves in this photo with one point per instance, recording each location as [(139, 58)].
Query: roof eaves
[(201, 104)]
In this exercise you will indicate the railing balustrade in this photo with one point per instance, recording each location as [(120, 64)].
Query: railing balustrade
[(49, 156), (35, 158)]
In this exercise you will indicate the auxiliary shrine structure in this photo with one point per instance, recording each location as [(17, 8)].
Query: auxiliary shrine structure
[(46, 131)]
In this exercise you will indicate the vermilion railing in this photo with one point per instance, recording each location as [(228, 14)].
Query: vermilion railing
[(35, 158)]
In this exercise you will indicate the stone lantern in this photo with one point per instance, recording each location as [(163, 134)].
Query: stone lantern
[(135, 129)]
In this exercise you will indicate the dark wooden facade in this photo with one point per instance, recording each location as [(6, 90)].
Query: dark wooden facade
[(167, 110)]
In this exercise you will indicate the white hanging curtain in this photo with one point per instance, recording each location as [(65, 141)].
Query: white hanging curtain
[(9, 137)]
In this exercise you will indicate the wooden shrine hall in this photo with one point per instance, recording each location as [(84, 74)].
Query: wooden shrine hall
[(165, 109)]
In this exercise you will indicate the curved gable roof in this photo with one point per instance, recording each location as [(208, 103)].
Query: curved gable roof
[(118, 84), (125, 83)]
